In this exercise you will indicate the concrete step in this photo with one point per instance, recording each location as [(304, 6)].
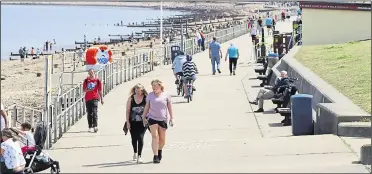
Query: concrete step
[(354, 129)]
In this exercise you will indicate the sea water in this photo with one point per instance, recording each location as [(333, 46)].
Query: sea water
[(32, 25)]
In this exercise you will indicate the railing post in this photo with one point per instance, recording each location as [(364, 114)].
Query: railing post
[(117, 72), (125, 70), (121, 70), (144, 56), (66, 114), (133, 66)]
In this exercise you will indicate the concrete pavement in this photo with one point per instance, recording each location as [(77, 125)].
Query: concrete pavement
[(216, 132)]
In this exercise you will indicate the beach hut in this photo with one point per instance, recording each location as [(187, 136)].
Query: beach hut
[(98, 56)]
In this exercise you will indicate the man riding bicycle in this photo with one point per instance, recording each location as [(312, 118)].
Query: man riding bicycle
[(177, 65), (189, 70)]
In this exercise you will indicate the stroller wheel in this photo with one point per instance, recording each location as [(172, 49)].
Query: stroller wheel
[(54, 170), (28, 170)]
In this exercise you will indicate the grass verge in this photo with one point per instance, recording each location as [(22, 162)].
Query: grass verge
[(347, 67)]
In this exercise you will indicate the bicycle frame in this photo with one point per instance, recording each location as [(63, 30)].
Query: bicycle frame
[(180, 85)]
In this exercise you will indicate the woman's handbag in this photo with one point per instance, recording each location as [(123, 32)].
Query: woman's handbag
[(125, 128)]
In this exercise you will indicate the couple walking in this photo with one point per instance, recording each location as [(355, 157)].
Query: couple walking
[(215, 54), (148, 110)]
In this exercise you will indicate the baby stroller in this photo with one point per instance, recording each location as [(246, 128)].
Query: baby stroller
[(36, 159)]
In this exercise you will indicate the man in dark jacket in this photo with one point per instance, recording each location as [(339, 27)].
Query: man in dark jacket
[(266, 94)]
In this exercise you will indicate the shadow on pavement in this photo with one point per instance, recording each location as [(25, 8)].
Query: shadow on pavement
[(124, 163), (85, 147), (179, 102), (210, 75), (269, 112), (175, 95), (275, 125)]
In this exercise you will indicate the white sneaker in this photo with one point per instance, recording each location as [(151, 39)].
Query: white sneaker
[(139, 159), (90, 130), (135, 157), (95, 129)]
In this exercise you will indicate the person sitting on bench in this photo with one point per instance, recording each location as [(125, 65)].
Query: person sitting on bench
[(266, 94)]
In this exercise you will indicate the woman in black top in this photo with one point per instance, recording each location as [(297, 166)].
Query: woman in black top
[(135, 106)]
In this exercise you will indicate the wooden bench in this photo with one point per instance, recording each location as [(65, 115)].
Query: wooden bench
[(265, 78), (261, 70)]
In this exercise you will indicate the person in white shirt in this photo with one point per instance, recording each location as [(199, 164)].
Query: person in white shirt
[(11, 153), (198, 38)]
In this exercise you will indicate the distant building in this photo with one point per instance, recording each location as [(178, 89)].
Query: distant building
[(331, 23)]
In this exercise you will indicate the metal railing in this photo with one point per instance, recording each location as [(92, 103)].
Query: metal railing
[(68, 107), (19, 114)]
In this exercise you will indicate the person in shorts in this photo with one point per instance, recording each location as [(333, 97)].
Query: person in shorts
[(158, 105), (269, 24)]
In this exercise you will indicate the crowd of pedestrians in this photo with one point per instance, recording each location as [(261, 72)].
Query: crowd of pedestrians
[(149, 110)]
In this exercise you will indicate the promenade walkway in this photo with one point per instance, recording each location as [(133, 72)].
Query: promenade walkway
[(216, 132)]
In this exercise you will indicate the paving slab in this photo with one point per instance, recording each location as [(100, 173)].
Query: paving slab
[(216, 132)]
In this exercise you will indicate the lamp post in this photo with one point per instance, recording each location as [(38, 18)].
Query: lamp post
[(161, 28)]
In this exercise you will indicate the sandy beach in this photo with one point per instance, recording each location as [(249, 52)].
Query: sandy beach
[(22, 86)]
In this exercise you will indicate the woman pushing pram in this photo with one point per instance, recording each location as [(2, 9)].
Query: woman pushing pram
[(31, 151)]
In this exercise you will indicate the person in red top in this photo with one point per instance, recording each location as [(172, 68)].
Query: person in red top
[(283, 16), (202, 41), (92, 87)]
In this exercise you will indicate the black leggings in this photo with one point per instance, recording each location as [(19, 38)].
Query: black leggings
[(92, 109), (137, 132), (232, 62)]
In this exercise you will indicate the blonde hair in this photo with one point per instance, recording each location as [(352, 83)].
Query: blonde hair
[(138, 86), (159, 83)]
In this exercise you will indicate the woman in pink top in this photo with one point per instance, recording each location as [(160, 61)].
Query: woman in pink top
[(158, 104)]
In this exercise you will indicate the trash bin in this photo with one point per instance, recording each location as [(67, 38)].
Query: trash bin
[(302, 114), (174, 51)]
